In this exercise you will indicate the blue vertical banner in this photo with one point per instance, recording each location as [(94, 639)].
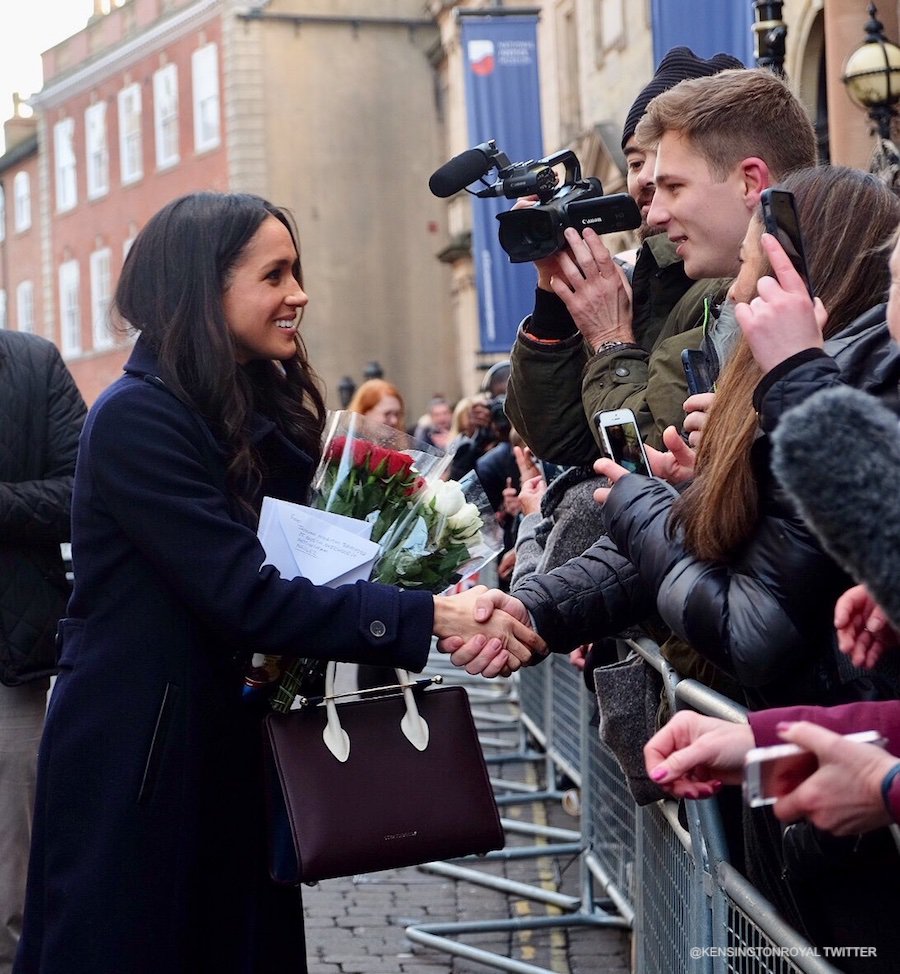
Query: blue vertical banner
[(707, 27), (503, 104)]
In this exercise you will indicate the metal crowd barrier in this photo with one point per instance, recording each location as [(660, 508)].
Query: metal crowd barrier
[(661, 870)]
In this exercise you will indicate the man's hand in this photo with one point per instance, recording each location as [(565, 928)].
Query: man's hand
[(692, 756), (485, 631), (782, 319), (697, 408), (844, 795), (676, 465), (594, 289), (863, 630)]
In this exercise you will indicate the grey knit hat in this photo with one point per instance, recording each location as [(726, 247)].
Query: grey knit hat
[(679, 64)]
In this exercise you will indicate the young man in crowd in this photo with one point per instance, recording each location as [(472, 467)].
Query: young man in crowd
[(722, 137)]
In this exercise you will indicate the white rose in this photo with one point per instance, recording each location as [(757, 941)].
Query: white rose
[(466, 522), (447, 498)]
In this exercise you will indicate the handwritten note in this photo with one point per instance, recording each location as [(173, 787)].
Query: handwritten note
[(326, 548)]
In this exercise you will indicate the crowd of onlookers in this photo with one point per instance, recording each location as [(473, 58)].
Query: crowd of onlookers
[(726, 556)]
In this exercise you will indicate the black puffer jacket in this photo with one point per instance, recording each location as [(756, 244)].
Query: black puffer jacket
[(766, 618), (41, 414)]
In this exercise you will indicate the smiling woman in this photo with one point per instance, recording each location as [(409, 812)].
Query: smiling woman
[(151, 803)]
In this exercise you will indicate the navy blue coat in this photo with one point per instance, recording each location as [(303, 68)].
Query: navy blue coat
[(148, 846)]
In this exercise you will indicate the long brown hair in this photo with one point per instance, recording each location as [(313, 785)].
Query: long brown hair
[(848, 215)]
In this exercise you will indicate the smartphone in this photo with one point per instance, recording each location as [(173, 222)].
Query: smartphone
[(622, 439), (770, 772), (696, 371), (780, 219)]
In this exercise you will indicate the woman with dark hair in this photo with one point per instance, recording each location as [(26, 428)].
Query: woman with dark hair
[(148, 850)]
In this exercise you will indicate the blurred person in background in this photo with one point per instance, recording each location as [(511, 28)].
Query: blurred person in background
[(379, 401)]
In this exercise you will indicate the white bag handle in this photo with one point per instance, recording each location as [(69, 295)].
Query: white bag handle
[(337, 740)]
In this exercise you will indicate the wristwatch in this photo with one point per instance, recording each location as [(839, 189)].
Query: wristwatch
[(608, 346)]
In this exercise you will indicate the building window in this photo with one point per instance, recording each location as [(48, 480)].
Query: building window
[(3, 320), (100, 295), (567, 34), (205, 78), (69, 310), (609, 20), (131, 163), (2, 212), (96, 150), (165, 115), (22, 201), (64, 154), (25, 307)]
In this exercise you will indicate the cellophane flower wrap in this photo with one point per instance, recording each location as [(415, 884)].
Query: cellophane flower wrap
[(431, 532)]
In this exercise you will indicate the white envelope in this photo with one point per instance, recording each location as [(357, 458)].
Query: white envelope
[(328, 549)]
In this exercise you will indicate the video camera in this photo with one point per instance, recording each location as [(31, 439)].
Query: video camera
[(536, 232)]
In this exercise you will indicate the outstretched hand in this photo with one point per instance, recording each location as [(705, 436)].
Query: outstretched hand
[(692, 756), (863, 630), (486, 631), (782, 319)]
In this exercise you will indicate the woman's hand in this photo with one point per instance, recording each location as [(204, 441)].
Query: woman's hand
[(782, 319), (692, 756), (844, 795), (485, 631), (697, 408), (863, 630), (604, 467), (677, 464)]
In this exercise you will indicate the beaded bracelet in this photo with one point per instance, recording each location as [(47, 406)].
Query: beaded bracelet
[(886, 783)]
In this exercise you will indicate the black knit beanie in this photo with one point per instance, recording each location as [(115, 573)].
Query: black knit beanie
[(679, 64)]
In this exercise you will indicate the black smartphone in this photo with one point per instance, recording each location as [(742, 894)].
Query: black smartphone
[(696, 371), (622, 439), (780, 219)]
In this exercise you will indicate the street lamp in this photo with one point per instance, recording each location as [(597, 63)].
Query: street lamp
[(872, 76), (373, 371), (770, 34), (346, 387)]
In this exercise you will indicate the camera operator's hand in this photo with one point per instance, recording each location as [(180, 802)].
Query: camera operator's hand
[(594, 289), (549, 266), (676, 464)]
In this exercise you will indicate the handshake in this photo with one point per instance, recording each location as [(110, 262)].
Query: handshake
[(486, 631)]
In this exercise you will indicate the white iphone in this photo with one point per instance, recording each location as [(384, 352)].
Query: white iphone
[(622, 439), (774, 771)]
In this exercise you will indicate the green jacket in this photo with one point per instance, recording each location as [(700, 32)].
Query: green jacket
[(556, 387)]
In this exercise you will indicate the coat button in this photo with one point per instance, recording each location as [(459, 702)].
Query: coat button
[(621, 371), (378, 628)]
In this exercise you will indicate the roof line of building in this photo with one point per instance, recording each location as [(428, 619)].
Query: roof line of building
[(83, 76), (21, 150)]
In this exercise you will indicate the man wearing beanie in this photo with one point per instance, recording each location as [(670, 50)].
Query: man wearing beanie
[(553, 358)]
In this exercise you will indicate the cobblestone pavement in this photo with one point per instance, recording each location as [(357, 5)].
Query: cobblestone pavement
[(357, 925)]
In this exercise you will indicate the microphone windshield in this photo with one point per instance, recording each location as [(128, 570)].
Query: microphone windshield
[(459, 172)]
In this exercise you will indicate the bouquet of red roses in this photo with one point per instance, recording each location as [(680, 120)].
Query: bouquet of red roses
[(431, 532)]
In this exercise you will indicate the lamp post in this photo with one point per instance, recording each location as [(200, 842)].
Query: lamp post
[(770, 34), (346, 387), (872, 76), (373, 371)]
